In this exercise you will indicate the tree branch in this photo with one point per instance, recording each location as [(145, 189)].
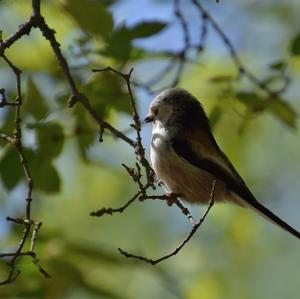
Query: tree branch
[(183, 243)]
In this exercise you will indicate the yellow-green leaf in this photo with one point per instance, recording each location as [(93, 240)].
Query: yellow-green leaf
[(283, 111)]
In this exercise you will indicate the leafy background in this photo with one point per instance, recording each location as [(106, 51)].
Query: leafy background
[(236, 253)]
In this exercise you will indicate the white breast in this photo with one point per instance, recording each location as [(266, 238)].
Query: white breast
[(160, 150)]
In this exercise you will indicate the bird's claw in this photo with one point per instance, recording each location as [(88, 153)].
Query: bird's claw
[(170, 198)]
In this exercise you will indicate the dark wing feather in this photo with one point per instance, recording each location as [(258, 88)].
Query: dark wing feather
[(233, 181), (184, 149)]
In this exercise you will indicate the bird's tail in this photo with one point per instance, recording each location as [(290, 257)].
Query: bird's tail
[(270, 216)]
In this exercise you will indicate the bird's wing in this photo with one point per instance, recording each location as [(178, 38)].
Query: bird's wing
[(203, 152), (205, 158)]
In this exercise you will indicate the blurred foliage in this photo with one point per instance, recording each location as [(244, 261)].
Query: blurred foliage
[(234, 255), (91, 16), (35, 105), (295, 45), (119, 45)]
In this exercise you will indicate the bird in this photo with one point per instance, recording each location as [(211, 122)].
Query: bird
[(188, 161)]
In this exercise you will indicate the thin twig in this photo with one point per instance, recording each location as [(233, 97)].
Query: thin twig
[(203, 34), (177, 249), (3, 100), (183, 23), (157, 78), (16, 140), (36, 228), (173, 199), (111, 211), (139, 148), (235, 57)]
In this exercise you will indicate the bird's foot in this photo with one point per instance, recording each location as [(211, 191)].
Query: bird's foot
[(171, 197)]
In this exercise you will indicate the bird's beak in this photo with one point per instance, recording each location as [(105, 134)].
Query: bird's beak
[(149, 118)]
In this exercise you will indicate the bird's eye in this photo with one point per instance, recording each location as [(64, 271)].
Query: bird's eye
[(155, 111)]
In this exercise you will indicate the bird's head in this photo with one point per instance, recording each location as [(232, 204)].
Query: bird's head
[(175, 107)]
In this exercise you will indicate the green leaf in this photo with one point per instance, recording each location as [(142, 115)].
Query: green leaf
[(146, 29), (45, 176), (279, 108), (105, 91), (34, 102), (50, 139), (283, 111), (295, 45), (251, 100), (62, 99), (11, 168), (278, 66), (8, 121), (119, 44), (84, 130), (92, 16)]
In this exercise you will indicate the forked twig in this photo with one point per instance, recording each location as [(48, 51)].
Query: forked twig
[(27, 222), (183, 243)]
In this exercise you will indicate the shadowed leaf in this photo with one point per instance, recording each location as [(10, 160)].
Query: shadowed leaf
[(253, 101), (50, 139), (284, 112), (7, 122), (106, 92), (84, 130), (278, 66), (34, 103), (120, 42), (295, 45), (11, 170), (146, 29), (277, 107), (45, 176), (92, 16)]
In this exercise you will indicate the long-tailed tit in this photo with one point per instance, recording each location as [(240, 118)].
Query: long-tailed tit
[(186, 157)]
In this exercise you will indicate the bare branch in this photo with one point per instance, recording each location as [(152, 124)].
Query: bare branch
[(49, 34), (27, 222), (177, 249), (23, 29), (111, 211), (243, 71), (139, 148), (183, 23)]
